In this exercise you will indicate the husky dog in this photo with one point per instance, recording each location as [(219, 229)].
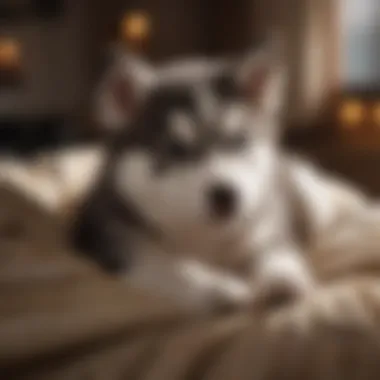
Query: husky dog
[(194, 202)]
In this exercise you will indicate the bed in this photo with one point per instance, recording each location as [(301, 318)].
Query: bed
[(61, 317)]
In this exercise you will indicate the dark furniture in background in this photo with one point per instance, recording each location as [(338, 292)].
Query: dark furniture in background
[(11, 10), (30, 135)]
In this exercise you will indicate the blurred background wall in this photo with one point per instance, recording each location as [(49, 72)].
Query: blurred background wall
[(61, 49), (63, 54)]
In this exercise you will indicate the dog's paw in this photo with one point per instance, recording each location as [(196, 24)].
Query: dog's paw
[(282, 280), (211, 290), (231, 294)]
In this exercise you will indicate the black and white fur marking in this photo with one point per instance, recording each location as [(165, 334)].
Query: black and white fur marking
[(193, 201)]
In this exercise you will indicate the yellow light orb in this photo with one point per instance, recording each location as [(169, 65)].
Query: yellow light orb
[(135, 26), (10, 53), (352, 113)]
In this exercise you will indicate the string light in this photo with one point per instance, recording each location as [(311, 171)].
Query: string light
[(10, 53), (351, 113), (135, 26)]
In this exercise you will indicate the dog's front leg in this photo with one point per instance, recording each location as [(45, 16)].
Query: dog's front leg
[(193, 285), (216, 289), (278, 245)]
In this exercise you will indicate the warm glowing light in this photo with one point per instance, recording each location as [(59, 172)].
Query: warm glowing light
[(376, 114), (10, 53), (135, 26), (351, 113)]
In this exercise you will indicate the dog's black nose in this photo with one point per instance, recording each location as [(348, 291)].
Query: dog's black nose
[(222, 200)]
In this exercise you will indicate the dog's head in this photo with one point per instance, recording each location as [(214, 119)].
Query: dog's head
[(197, 147)]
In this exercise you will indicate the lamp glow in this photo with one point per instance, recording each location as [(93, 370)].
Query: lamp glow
[(352, 113), (10, 53), (135, 26)]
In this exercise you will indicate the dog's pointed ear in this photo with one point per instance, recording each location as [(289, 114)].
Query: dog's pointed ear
[(261, 76), (122, 90)]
